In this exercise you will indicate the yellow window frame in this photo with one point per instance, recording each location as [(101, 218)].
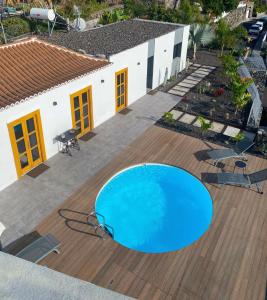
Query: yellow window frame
[(125, 94), (90, 109), (40, 141)]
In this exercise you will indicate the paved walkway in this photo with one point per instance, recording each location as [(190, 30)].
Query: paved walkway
[(184, 86), (26, 202), (217, 127)]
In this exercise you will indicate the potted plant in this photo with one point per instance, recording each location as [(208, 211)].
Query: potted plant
[(205, 125), (238, 137), (168, 118)]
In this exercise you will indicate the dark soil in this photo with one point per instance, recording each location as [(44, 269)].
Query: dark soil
[(206, 103), (206, 57), (216, 108)]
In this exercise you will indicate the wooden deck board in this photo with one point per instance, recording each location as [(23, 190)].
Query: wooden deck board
[(228, 262)]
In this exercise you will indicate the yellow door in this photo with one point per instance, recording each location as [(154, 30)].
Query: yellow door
[(121, 82), (27, 142), (81, 108)]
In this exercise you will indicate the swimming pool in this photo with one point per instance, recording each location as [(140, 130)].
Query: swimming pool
[(154, 208)]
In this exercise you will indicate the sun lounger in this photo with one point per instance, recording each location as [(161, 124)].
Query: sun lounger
[(40, 248), (238, 151), (244, 180)]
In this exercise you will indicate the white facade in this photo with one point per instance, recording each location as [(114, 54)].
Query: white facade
[(57, 118)]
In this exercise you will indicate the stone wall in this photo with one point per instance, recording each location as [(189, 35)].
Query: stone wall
[(236, 16)]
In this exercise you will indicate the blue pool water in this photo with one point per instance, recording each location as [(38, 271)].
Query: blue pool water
[(155, 208)]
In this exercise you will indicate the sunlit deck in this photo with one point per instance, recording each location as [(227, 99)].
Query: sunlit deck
[(228, 262)]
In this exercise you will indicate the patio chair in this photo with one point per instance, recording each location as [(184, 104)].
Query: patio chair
[(40, 248), (238, 151), (244, 180)]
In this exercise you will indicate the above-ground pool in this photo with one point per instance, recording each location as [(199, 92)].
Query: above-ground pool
[(154, 208)]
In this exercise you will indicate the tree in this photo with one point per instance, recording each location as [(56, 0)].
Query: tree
[(197, 33), (16, 26), (224, 35), (214, 6), (230, 65), (239, 88), (238, 85), (188, 13), (135, 8), (240, 32), (230, 4)]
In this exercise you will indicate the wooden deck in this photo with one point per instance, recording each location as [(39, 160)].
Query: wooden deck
[(228, 262)]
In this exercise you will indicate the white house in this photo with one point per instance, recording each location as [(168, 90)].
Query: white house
[(47, 89)]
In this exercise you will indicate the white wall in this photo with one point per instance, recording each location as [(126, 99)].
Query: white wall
[(57, 119), (136, 72), (163, 56), (176, 63), (184, 47)]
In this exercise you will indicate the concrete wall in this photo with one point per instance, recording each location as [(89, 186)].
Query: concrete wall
[(23, 280), (57, 119)]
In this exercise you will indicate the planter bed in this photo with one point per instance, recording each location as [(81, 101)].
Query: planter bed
[(210, 136), (218, 108)]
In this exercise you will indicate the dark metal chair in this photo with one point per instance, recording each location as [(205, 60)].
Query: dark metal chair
[(244, 180), (238, 151)]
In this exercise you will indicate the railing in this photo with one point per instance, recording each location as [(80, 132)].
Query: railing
[(106, 229)]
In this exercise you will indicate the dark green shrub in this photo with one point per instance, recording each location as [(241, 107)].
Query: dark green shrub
[(16, 26), (168, 118)]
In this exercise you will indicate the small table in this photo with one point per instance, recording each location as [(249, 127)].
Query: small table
[(69, 140), (241, 165)]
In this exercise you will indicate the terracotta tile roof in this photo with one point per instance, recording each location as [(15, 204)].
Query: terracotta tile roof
[(33, 66)]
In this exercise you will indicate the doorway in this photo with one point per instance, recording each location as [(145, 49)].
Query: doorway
[(150, 66), (27, 142)]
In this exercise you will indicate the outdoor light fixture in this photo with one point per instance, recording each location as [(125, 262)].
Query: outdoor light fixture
[(102, 80), (55, 103), (138, 64)]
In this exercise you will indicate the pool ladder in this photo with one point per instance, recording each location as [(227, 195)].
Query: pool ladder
[(105, 229)]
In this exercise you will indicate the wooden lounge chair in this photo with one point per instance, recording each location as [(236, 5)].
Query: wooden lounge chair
[(40, 248), (244, 180), (238, 151)]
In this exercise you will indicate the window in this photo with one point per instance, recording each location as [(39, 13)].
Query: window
[(177, 50)]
